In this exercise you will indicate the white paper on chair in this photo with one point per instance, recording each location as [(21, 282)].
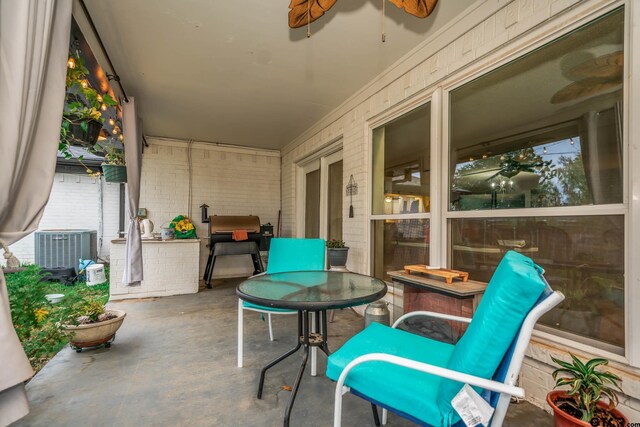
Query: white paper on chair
[(471, 407)]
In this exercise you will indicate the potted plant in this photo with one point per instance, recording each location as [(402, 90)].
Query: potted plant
[(114, 168), (82, 119), (583, 405), (338, 253), (92, 325)]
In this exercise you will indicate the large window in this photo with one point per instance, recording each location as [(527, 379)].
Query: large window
[(401, 179), (545, 131), (401, 164), (582, 256)]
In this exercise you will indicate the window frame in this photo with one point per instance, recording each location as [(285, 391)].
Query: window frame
[(387, 116), (440, 215), (527, 46)]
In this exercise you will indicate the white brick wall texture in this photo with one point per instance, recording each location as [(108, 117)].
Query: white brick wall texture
[(75, 203), (232, 181), (170, 268), (448, 55)]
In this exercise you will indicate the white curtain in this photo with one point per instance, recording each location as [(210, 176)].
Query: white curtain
[(601, 146), (34, 44), (132, 130)]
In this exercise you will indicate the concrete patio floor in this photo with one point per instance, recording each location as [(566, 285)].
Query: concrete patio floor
[(173, 363)]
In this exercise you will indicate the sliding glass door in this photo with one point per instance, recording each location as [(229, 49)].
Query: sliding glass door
[(322, 183)]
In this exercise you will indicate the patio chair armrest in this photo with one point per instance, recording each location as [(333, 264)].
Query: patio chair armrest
[(258, 275), (431, 314), (430, 369)]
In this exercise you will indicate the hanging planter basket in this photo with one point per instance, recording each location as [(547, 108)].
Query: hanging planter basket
[(85, 138), (114, 173)]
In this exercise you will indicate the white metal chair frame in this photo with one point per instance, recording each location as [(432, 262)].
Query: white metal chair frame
[(506, 388)]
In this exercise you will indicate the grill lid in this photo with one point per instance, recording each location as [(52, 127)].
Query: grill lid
[(228, 223)]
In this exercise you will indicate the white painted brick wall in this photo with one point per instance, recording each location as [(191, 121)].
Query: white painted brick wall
[(170, 268), (424, 68), (536, 378), (231, 181), (75, 203)]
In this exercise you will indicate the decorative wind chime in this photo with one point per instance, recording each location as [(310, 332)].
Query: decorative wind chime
[(304, 12), (352, 189)]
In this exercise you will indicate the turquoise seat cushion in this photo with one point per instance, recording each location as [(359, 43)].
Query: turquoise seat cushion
[(512, 292), (286, 254), (247, 304), (405, 390)]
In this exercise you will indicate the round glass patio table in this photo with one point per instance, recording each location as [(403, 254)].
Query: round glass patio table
[(311, 293), (311, 290)]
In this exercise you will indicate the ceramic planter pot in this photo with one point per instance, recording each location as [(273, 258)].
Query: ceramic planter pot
[(562, 419), (94, 334), (114, 173), (338, 256), (86, 138)]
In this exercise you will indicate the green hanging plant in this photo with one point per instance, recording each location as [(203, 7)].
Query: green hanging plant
[(82, 119)]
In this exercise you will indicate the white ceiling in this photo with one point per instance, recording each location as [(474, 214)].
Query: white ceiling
[(234, 73)]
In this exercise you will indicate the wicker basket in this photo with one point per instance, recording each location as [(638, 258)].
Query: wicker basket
[(114, 173)]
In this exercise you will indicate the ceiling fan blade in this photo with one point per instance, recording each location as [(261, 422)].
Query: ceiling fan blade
[(494, 175), (479, 172), (303, 12), (584, 88), (418, 8), (608, 67)]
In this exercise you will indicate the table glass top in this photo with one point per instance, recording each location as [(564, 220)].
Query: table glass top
[(312, 289)]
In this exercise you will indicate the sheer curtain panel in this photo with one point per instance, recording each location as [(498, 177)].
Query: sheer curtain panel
[(34, 44)]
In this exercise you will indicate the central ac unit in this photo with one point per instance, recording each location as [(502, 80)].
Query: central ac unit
[(63, 248)]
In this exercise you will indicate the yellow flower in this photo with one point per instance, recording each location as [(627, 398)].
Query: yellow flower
[(184, 225), (41, 314)]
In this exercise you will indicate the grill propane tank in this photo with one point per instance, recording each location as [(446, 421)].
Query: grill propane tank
[(376, 312)]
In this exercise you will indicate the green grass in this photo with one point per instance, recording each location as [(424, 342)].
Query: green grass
[(39, 323)]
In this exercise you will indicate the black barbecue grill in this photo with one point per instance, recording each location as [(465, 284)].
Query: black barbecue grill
[(221, 242)]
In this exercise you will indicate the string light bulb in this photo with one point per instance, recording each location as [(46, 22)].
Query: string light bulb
[(103, 107), (112, 122), (571, 141), (84, 83), (121, 137), (99, 98), (544, 150), (502, 157), (484, 156), (471, 159), (115, 131), (71, 63)]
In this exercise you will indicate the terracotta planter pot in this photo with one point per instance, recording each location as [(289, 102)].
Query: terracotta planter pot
[(94, 334), (562, 419)]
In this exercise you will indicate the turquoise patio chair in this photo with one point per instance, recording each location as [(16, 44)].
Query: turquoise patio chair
[(285, 254), (416, 377)]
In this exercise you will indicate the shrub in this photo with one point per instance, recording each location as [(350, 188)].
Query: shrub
[(39, 323), (335, 244)]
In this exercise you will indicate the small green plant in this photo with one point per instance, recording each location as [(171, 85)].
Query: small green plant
[(39, 323), (82, 104), (114, 156), (587, 385), (335, 244)]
